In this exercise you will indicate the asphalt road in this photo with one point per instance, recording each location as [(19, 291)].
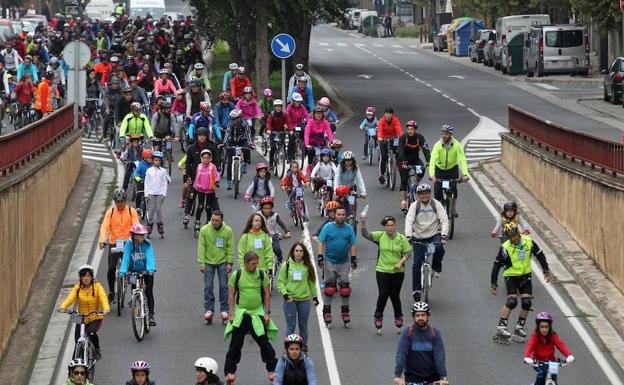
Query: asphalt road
[(463, 309)]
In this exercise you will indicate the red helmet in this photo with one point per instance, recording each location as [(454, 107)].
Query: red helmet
[(412, 123), (332, 205), (342, 191), (147, 153), (335, 144), (266, 200)]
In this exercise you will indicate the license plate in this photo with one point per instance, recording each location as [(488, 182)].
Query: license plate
[(298, 128), (372, 132), (351, 199), (446, 184)]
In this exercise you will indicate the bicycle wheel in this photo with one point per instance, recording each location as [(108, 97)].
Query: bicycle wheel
[(119, 285), (146, 318), (138, 323), (79, 350), (299, 154), (425, 279), (451, 216), (301, 214), (371, 151), (236, 177), (280, 159), (13, 111), (264, 145), (392, 171)]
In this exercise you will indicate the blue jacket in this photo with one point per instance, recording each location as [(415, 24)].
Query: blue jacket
[(137, 258), (222, 113), (141, 169), (21, 69), (331, 115), (280, 369), (421, 354), (308, 98), (227, 76), (198, 121)]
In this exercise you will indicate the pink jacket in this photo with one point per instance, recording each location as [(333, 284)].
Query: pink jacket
[(206, 178), (314, 133), (250, 108), (164, 88), (296, 115), (179, 106)]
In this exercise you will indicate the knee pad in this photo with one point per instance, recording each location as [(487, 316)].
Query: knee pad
[(345, 290), (526, 303), (329, 290), (512, 302)]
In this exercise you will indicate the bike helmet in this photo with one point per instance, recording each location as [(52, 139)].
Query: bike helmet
[(114, 59), (261, 166), (233, 66), (247, 90), (27, 57), (134, 137), (318, 109), (84, 269), (327, 151), (158, 154), (207, 365), (241, 70), (299, 66), (370, 110), (335, 144), (198, 66), (510, 229), (53, 60), (49, 75), (163, 71), (202, 131), (179, 52), (420, 307), (147, 153), (302, 79), (332, 205), (77, 362), (543, 316), (165, 104), (120, 194), (135, 105), (204, 152), (447, 128), (266, 200), (296, 97), (126, 89), (138, 229), (267, 92), (293, 339), (324, 101), (235, 113), (423, 188), (140, 366), (196, 83), (224, 95), (511, 205), (278, 102), (411, 123), (348, 155), (204, 106), (342, 191)]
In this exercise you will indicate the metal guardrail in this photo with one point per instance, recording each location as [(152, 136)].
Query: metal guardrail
[(598, 152), (18, 147)]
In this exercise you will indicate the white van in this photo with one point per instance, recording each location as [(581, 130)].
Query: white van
[(363, 15), (99, 9), (156, 8), (507, 28)]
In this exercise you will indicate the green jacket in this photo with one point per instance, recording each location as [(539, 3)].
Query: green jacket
[(446, 158), (70, 382), (265, 106), (261, 244), (520, 257), (257, 323), (215, 247), (296, 285)]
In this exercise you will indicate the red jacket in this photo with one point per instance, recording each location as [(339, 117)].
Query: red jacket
[(539, 349), (389, 131), (287, 181), (237, 85), (276, 122)]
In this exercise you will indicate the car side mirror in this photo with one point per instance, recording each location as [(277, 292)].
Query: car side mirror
[(603, 72)]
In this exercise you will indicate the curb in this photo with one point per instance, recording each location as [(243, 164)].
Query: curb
[(344, 107)]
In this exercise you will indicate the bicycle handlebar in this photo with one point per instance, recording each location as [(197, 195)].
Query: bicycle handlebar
[(74, 312)]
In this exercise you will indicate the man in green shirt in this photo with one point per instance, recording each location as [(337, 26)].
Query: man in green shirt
[(447, 158), (250, 312), (215, 254)]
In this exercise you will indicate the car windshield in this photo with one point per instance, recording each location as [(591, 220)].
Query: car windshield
[(564, 39), (6, 31)]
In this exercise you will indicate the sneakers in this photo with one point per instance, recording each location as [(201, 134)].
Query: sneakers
[(97, 355), (208, 315), (244, 168), (181, 204), (382, 179), (228, 185), (152, 320)]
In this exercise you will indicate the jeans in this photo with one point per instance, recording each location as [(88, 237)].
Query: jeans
[(297, 312), (233, 356), (209, 297), (419, 255)]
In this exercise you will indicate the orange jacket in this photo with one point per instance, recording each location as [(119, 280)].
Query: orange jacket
[(43, 97), (389, 131), (117, 224)]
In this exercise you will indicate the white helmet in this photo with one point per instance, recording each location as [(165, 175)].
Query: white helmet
[(247, 90), (235, 113), (423, 187), (207, 364), (278, 102), (198, 66), (84, 267), (233, 66), (348, 155), (296, 96)]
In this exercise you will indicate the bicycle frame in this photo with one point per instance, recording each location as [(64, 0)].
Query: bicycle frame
[(86, 353), (552, 370), (426, 272)]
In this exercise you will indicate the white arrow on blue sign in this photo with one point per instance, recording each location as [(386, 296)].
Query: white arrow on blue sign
[(283, 46)]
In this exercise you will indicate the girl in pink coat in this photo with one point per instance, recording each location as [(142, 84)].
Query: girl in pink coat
[(206, 182), (249, 106)]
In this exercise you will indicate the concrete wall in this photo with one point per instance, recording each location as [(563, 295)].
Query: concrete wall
[(31, 203), (587, 203)]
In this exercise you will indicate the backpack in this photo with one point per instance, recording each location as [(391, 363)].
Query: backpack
[(295, 374), (237, 278), (433, 206), (256, 180), (410, 331)]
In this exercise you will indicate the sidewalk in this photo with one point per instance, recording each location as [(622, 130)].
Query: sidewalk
[(598, 302)]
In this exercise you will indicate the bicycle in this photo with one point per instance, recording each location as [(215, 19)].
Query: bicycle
[(553, 370), (297, 207), (391, 164), (84, 347), (121, 285), (351, 200), (279, 143), (426, 272), (449, 201), (299, 146), (143, 207), (373, 147), (236, 167), (414, 176), (139, 311), (274, 274), (324, 196), (168, 153), (94, 121)]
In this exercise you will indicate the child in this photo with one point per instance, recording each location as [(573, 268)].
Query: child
[(133, 153), (329, 113), (178, 109), (336, 145), (139, 178), (250, 108), (541, 347), (206, 181), (324, 172), (261, 186), (272, 220), (509, 216), (266, 106), (370, 122), (294, 178), (156, 180)]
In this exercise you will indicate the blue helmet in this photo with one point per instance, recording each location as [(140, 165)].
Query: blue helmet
[(158, 154), (327, 151), (447, 128)]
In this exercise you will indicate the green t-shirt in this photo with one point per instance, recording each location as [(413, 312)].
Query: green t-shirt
[(249, 288), (390, 251)]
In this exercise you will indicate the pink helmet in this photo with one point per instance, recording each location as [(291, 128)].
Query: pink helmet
[(267, 92), (261, 166), (138, 229), (543, 316), (324, 101), (370, 110)]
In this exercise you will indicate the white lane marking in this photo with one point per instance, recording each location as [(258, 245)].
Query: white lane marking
[(323, 44), (414, 46), (397, 46), (406, 52), (87, 151), (100, 159), (378, 45), (471, 110), (328, 49), (355, 35), (365, 76), (437, 90), (341, 44), (547, 86), (453, 100), (457, 77), (446, 96), (94, 145)]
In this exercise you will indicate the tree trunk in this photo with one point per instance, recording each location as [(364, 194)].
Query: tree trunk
[(302, 40), (262, 50), (235, 51)]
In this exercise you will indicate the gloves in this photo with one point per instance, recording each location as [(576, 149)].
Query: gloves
[(315, 301), (319, 260), (493, 234), (247, 197), (528, 361), (570, 359), (353, 262)]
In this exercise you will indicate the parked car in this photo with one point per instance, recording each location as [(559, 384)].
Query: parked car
[(477, 44), (612, 82), (29, 25), (356, 18), (507, 28), (488, 51), (6, 29), (370, 16), (551, 49), (440, 38)]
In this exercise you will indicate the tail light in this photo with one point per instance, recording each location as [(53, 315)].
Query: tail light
[(617, 77)]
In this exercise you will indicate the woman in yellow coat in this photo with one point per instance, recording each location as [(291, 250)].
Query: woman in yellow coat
[(91, 297)]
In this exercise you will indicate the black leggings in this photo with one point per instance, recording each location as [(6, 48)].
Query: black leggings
[(233, 355), (209, 202), (91, 330), (389, 285), (404, 174), (112, 266)]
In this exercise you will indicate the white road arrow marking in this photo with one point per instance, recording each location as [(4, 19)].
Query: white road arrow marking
[(283, 47), (365, 76), (457, 77)]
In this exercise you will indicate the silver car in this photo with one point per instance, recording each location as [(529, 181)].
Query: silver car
[(556, 49)]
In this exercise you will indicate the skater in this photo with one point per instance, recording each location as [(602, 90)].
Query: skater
[(250, 312), (297, 283), (260, 187), (541, 347), (295, 367), (215, 255), (205, 185), (509, 217), (394, 251), (514, 256), (157, 180), (272, 220), (206, 371), (337, 243), (256, 238), (193, 159)]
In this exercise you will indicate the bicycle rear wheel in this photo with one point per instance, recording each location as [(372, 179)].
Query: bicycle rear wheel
[(280, 161), (236, 177), (392, 171), (451, 216), (138, 322), (79, 350), (425, 279)]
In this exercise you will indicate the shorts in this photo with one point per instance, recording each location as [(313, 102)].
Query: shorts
[(335, 274), (519, 284)]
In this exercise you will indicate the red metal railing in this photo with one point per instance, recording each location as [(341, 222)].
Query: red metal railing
[(22, 145), (603, 153)]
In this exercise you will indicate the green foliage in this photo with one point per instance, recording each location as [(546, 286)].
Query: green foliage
[(606, 13), (411, 31), (370, 31)]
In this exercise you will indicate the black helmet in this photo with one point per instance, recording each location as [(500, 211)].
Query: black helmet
[(202, 131), (49, 75), (511, 205), (165, 104), (318, 109)]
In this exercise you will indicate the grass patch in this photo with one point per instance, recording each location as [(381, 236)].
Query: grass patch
[(370, 31), (411, 31)]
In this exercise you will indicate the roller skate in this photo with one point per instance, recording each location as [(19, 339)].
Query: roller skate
[(224, 317), (502, 335), (398, 322), (196, 228), (327, 317), (378, 323), (161, 229), (150, 226), (185, 220), (208, 317), (519, 334), (344, 314), (230, 379)]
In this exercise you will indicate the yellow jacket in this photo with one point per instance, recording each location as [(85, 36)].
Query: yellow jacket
[(89, 300)]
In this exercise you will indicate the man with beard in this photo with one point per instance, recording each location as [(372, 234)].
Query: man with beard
[(421, 351)]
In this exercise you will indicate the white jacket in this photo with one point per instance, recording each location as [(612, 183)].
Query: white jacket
[(427, 223), (156, 181), (325, 171)]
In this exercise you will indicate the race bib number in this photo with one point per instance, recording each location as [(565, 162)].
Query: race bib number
[(297, 275), (329, 183), (119, 245), (298, 128), (351, 199), (258, 244), (219, 243), (372, 132), (446, 184), (418, 169), (133, 279), (395, 142), (553, 368), (299, 192), (168, 145)]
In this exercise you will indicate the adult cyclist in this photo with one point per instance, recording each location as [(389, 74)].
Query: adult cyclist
[(137, 123), (388, 128), (409, 149), (420, 353), (78, 370), (238, 133), (447, 159)]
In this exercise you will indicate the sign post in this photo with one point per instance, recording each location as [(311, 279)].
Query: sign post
[(76, 54), (283, 47)]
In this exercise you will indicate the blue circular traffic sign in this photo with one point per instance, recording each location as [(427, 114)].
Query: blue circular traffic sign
[(283, 46)]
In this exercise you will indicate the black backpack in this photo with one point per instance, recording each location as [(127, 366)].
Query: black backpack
[(295, 374)]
